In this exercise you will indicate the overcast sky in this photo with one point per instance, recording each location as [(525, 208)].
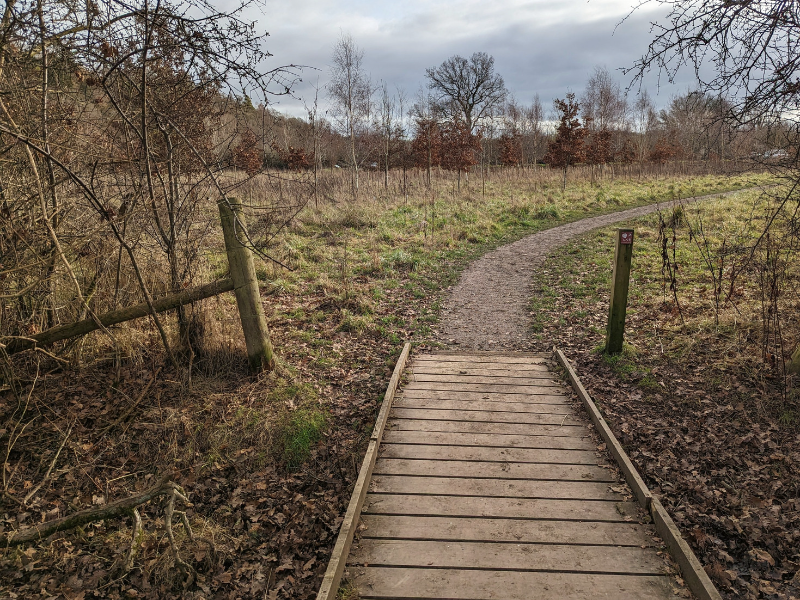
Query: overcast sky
[(547, 47)]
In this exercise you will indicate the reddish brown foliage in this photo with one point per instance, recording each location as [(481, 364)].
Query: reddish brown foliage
[(460, 147), (666, 148), (568, 146), (246, 154), (426, 148), (599, 151), (511, 149)]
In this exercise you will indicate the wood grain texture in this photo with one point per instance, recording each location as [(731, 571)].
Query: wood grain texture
[(554, 429), (486, 416), (467, 529), (496, 470), (493, 487), (507, 557), (543, 386), (505, 456), (384, 583), (487, 439), (546, 396), (508, 508)]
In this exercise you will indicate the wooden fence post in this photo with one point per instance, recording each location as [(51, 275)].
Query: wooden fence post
[(623, 252), (245, 286)]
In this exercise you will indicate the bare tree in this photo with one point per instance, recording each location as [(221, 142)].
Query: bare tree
[(350, 91), (467, 89), (644, 121), (603, 103), (534, 120)]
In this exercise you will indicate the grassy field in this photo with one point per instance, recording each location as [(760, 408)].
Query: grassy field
[(267, 461)]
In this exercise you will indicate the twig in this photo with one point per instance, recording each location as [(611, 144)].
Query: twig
[(137, 532), (46, 477), (187, 569)]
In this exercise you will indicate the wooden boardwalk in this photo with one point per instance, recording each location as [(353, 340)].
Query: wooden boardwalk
[(489, 484)]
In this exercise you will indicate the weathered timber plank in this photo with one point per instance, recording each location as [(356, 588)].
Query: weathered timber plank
[(548, 396), (513, 408), (485, 416), (475, 359), (502, 556), (556, 430), (503, 456), (517, 371), (543, 387), (509, 508), (493, 488), (506, 530), (487, 439), (497, 470), (540, 379), (381, 582)]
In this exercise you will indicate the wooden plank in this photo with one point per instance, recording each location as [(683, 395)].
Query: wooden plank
[(487, 439), (333, 574), (497, 470), (506, 530), (518, 371), (493, 488), (539, 396), (484, 405), (486, 416), (482, 358), (541, 379), (508, 508), (433, 425), (507, 557), (384, 583), (502, 456), (544, 387)]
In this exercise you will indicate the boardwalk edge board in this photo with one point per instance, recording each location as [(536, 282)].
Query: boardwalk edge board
[(333, 574), (693, 573)]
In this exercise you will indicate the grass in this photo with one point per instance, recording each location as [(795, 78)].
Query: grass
[(373, 272), (711, 318)]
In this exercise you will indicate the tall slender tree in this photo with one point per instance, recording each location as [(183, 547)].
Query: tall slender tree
[(350, 92)]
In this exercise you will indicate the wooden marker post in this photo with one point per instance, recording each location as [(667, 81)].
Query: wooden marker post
[(245, 286), (623, 252)]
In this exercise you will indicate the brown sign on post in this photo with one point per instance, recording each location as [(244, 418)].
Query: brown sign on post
[(623, 252)]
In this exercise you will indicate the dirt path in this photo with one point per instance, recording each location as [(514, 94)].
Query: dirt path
[(488, 308)]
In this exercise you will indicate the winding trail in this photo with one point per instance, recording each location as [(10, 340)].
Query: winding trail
[(487, 308)]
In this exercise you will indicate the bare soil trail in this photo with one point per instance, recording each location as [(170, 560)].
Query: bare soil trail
[(488, 308)]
